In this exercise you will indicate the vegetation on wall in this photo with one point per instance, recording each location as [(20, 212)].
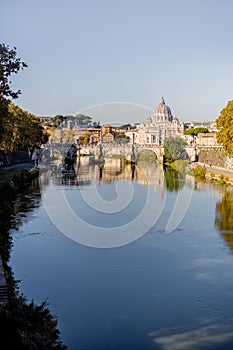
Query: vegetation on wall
[(199, 171)]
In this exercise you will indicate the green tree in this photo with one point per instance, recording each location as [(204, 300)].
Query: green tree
[(174, 149), (83, 119), (126, 126), (84, 139), (27, 326), (58, 119), (195, 131), (9, 64), (122, 138), (224, 124), (21, 130)]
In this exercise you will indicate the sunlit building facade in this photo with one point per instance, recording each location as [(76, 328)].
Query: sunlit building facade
[(156, 128)]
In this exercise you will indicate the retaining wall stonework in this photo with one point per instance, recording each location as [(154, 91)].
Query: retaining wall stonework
[(9, 158), (213, 155)]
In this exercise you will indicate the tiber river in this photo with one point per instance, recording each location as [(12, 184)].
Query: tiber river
[(129, 257)]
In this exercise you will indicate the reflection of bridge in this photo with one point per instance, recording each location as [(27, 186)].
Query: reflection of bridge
[(128, 150)]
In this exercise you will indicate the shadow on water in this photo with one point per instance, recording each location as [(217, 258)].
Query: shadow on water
[(26, 202)]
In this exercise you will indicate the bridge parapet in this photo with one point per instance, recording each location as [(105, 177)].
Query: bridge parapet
[(128, 150)]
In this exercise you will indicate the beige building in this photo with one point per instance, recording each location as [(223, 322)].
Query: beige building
[(108, 135), (207, 139), (155, 129), (208, 124)]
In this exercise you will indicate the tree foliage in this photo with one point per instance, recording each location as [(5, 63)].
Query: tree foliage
[(58, 119), (174, 149), (122, 138), (29, 326), (195, 131), (224, 124), (84, 139), (9, 64), (127, 126), (21, 130), (79, 119), (83, 119)]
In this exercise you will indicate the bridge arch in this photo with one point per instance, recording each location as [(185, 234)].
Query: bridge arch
[(158, 151), (129, 150)]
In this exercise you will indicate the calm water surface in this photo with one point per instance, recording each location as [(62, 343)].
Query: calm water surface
[(168, 290)]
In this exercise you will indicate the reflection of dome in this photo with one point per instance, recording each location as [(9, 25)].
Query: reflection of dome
[(162, 112)]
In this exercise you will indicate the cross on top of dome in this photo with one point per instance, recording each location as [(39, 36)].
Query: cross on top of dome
[(162, 102)]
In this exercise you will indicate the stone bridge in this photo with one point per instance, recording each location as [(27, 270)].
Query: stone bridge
[(128, 150)]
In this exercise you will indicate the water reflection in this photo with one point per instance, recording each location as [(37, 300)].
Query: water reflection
[(174, 180), (25, 203), (224, 216), (151, 294), (84, 171), (205, 335)]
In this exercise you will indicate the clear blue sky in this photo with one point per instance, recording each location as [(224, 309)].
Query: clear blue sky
[(86, 52)]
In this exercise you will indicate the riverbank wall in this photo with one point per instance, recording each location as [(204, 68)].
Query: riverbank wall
[(211, 172), (10, 158), (214, 156)]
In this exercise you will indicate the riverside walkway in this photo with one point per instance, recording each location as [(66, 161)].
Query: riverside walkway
[(216, 170)]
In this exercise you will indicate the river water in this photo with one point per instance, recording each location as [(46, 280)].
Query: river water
[(128, 257)]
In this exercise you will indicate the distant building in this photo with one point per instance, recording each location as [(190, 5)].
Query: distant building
[(155, 129), (46, 120), (208, 139), (208, 124), (108, 135)]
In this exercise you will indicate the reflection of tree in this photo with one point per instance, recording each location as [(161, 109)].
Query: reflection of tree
[(26, 202), (224, 217), (173, 179)]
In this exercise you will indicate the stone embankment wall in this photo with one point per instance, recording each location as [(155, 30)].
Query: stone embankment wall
[(9, 158), (213, 156)]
